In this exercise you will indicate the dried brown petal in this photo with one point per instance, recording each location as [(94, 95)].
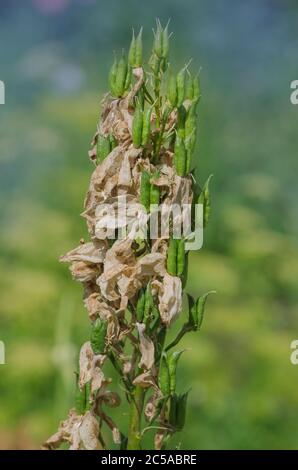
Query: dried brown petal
[(170, 298), (89, 431), (93, 252), (146, 348)]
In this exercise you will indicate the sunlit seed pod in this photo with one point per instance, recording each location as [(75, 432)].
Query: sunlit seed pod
[(180, 257), (137, 126), (164, 376), (140, 306), (145, 190), (103, 147), (181, 86), (98, 336), (146, 126), (112, 77), (181, 122), (196, 88), (180, 156), (121, 76), (172, 257), (205, 199), (172, 90), (172, 364)]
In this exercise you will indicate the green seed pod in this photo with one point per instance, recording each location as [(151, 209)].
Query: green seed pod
[(181, 86), (181, 122), (173, 411), (145, 190), (154, 195), (200, 309), (137, 126), (139, 49), (121, 76), (154, 63), (205, 199), (180, 257), (127, 82), (185, 271), (164, 376), (80, 400), (136, 50), (103, 147), (172, 364), (132, 50), (189, 89), (146, 126), (154, 192), (196, 88), (98, 336), (172, 257), (181, 411), (192, 314), (158, 40), (191, 120), (112, 77), (180, 156), (172, 91), (140, 306), (165, 42)]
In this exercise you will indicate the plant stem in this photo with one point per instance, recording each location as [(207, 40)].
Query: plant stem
[(136, 408)]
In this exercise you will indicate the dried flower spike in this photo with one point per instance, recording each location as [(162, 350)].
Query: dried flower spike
[(132, 274)]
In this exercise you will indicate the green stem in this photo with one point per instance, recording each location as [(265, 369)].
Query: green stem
[(136, 408)]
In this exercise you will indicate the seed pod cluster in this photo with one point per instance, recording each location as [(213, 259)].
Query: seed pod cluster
[(120, 77)]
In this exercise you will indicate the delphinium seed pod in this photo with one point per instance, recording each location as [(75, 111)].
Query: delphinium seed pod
[(172, 91), (137, 125), (141, 305), (145, 189), (146, 126), (164, 376), (181, 86), (135, 54), (98, 335), (172, 365), (205, 200), (180, 156), (172, 257)]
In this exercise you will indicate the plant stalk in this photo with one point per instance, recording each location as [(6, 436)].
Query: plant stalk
[(136, 408)]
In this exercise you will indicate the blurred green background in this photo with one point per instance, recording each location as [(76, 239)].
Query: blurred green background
[(54, 60)]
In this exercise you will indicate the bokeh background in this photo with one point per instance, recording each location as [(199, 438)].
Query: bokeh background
[(54, 59)]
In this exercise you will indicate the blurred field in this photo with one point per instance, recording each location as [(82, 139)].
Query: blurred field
[(54, 59)]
